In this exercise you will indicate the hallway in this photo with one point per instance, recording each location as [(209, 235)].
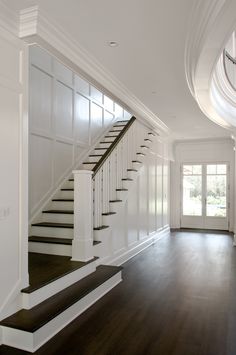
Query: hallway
[(177, 298)]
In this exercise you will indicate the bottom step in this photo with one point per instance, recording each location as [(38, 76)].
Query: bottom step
[(30, 329)]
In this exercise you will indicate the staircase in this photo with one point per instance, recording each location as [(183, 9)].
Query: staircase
[(62, 288)]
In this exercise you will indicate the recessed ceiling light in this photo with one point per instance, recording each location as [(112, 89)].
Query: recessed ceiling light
[(113, 44)]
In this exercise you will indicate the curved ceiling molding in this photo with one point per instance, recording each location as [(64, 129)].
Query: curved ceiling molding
[(211, 24)]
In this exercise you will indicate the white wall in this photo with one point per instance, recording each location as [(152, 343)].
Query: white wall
[(13, 175), (67, 115), (146, 210), (218, 150)]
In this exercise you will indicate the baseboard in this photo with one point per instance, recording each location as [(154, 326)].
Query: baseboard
[(123, 256)]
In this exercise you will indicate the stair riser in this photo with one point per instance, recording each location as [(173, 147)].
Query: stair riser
[(122, 195), (51, 249), (32, 299), (88, 166), (100, 151), (68, 185), (108, 139), (62, 205), (114, 133), (65, 194), (108, 220), (132, 174), (137, 166), (32, 341), (93, 159), (58, 218), (104, 145), (52, 232), (115, 206), (127, 184)]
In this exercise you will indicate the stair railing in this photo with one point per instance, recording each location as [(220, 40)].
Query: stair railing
[(94, 190)]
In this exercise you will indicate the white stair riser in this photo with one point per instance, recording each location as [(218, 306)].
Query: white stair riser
[(137, 166), (52, 232), (65, 194), (32, 299), (68, 185), (51, 249), (114, 133), (88, 166), (94, 159), (100, 151), (122, 195), (104, 145), (108, 139), (132, 174), (115, 206), (58, 217), (62, 205), (32, 341), (107, 220), (127, 184)]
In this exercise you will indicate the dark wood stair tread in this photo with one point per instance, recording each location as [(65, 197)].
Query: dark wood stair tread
[(95, 155), (46, 268), (100, 148), (63, 199), (114, 201), (132, 170), (147, 140), (36, 317), (108, 213), (151, 134), (100, 228), (67, 189), (116, 130), (127, 179), (136, 161), (106, 142), (141, 154), (122, 190), (110, 136), (53, 225), (90, 162), (144, 146), (54, 240), (50, 240), (59, 211), (71, 179)]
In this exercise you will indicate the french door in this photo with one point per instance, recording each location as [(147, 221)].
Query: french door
[(205, 190)]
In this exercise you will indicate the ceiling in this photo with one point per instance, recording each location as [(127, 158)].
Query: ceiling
[(149, 59)]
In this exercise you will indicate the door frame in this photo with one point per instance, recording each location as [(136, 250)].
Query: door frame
[(206, 225)]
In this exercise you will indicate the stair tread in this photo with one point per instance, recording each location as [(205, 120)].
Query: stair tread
[(96, 155), (111, 136), (59, 211), (46, 268), (115, 201), (100, 228), (67, 189), (136, 161), (132, 170), (147, 140), (127, 179), (141, 154), (106, 142), (33, 319), (50, 240), (122, 190), (144, 146), (63, 199), (71, 179), (54, 240), (90, 162), (115, 130), (100, 148), (108, 213), (54, 225)]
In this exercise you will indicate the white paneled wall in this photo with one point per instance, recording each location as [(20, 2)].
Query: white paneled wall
[(146, 211), (67, 116)]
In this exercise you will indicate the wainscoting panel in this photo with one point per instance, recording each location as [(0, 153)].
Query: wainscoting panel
[(67, 116)]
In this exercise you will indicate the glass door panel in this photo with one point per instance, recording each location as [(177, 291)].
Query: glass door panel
[(192, 190), (216, 190)]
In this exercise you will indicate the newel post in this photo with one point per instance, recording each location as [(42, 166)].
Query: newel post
[(82, 244)]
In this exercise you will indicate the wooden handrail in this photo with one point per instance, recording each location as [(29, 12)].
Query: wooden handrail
[(99, 164)]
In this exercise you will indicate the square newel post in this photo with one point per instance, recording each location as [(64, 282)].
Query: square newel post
[(82, 244)]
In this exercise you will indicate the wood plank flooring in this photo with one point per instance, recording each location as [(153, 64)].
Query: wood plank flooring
[(178, 297)]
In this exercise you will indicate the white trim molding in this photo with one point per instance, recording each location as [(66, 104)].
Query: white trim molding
[(36, 27), (212, 22)]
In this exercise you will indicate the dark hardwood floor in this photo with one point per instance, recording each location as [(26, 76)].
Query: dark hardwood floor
[(178, 297)]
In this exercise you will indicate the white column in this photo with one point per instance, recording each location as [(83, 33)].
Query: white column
[(82, 245), (233, 137)]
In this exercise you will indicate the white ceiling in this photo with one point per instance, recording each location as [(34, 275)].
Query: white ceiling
[(149, 60)]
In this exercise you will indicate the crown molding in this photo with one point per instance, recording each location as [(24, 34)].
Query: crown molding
[(8, 18), (36, 26)]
